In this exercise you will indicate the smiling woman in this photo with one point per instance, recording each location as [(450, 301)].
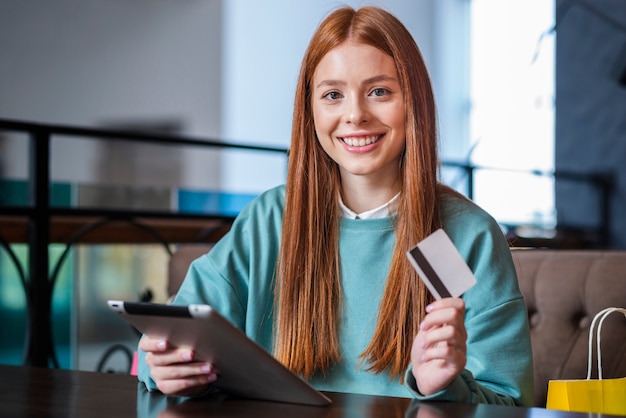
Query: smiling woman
[(315, 271)]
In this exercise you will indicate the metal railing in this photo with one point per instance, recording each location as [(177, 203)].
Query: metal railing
[(37, 282), (38, 285)]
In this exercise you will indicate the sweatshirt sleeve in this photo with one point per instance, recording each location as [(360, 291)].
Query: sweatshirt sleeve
[(197, 288), (211, 279), (499, 367), (224, 277)]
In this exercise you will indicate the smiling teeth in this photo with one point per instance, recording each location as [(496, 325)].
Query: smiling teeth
[(361, 142)]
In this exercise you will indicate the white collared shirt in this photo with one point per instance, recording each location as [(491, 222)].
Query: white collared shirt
[(382, 211)]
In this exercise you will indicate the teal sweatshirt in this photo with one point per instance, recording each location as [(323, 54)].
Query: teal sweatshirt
[(236, 276)]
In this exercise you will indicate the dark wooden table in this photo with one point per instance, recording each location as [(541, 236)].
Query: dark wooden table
[(41, 392)]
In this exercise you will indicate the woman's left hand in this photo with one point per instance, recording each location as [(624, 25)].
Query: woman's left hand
[(439, 349)]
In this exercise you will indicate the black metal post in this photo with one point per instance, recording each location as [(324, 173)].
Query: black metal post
[(38, 350)]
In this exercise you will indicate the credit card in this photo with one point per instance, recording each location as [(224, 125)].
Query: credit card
[(441, 266)]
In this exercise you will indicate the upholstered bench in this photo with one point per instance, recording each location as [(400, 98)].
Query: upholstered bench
[(563, 290)]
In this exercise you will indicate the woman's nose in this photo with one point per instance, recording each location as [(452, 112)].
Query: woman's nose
[(357, 111)]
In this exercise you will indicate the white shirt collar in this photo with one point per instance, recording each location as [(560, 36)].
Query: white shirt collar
[(382, 211)]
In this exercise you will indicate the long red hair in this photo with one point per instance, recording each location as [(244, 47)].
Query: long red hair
[(308, 285)]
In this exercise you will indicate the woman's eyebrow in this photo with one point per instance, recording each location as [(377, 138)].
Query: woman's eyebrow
[(377, 78), (331, 83), (371, 80)]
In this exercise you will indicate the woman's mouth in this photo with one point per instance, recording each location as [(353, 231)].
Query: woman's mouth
[(360, 141)]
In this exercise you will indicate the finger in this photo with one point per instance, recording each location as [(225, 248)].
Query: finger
[(445, 353), (149, 344), (450, 302), (442, 318), (189, 386), (168, 357), (183, 371), (445, 333), (442, 337), (445, 315)]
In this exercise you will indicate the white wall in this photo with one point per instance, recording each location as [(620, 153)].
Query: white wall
[(95, 63), (221, 68)]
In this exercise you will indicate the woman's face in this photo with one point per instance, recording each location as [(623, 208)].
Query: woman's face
[(358, 111)]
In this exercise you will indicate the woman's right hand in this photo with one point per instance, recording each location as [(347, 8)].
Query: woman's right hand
[(174, 370)]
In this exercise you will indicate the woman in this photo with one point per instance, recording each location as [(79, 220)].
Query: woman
[(315, 271)]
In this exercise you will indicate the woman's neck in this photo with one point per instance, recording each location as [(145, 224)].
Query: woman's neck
[(361, 195)]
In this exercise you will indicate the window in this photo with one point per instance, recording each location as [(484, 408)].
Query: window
[(512, 109)]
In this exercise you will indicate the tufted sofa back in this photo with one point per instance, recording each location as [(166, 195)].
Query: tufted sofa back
[(179, 264), (563, 290)]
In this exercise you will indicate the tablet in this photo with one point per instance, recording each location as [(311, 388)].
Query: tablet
[(245, 369)]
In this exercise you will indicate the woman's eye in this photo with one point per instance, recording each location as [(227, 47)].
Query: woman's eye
[(332, 95), (379, 92)]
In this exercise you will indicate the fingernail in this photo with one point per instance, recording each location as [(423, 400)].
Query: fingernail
[(206, 368), (161, 345), (187, 356), (429, 308)]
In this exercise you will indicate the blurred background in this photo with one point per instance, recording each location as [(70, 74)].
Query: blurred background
[(531, 97)]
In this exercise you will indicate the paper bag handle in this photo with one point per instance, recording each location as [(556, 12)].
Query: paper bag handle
[(600, 316)]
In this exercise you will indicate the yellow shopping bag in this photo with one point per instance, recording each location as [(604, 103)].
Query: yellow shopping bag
[(607, 396)]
